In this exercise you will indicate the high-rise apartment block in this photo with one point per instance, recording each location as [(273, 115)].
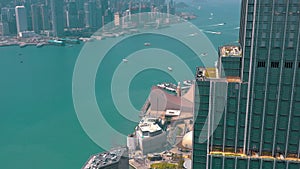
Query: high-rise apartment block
[(57, 17), (21, 19)]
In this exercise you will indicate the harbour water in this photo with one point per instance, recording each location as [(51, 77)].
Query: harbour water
[(38, 125)]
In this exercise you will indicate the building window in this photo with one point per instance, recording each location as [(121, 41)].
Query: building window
[(264, 26), (290, 44), (261, 64), (277, 43), (292, 27), (249, 34), (293, 18), (288, 64), (248, 42), (274, 64), (262, 43)]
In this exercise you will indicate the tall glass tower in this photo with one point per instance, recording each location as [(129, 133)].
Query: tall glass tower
[(57, 17), (257, 125)]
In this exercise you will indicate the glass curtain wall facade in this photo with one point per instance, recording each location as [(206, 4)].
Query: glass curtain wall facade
[(260, 123)]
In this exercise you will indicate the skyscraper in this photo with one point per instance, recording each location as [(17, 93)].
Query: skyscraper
[(57, 17), (250, 117), (4, 29), (36, 18), (72, 15), (21, 19), (44, 17), (8, 16)]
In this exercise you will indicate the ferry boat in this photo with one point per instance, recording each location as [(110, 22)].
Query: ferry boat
[(68, 40), (56, 42)]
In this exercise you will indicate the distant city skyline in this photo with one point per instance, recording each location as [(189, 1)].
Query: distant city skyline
[(58, 18)]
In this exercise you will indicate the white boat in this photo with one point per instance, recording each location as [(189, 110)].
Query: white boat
[(212, 32), (203, 54), (161, 86), (193, 34), (170, 69), (221, 24), (147, 44), (187, 82), (22, 45), (40, 45), (170, 89), (124, 60)]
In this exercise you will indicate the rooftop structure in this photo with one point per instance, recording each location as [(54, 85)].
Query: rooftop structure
[(172, 113), (148, 136), (230, 50), (148, 127), (115, 158)]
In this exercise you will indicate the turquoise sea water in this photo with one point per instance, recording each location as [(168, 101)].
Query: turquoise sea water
[(38, 124)]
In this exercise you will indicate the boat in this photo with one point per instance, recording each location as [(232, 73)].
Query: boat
[(221, 24), (68, 40), (147, 44), (170, 69), (171, 89), (22, 45), (56, 42), (124, 60), (212, 32), (187, 82), (161, 86), (193, 34), (204, 54), (211, 15), (40, 45)]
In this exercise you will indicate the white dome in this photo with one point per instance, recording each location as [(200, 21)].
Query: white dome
[(187, 140)]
